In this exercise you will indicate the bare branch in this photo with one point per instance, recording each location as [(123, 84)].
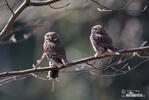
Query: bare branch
[(24, 5), (12, 19), (13, 78), (7, 80), (144, 43), (38, 77), (3, 5), (84, 60), (9, 7), (40, 60), (91, 65), (119, 70), (117, 63), (42, 3), (14, 4), (60, 7), (112, 75)]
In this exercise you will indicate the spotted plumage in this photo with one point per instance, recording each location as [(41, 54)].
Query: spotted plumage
[(101, 41), (55, 52)]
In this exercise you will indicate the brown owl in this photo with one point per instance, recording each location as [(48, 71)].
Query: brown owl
[(101, 41), (55, 52)]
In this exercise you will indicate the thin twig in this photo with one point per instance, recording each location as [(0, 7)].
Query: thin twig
[(7, 80), (115, 63), (13, 78), (14, 4), (113, 75), (9, 7), (92, 66), (39, 77), (61, 6), (3, 5), (119, 70)]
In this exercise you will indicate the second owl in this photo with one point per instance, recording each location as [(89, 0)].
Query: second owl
[(101, 41)]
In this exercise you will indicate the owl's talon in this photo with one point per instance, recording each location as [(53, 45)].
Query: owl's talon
[(65, 63), (49, 74), (49, 78), (96, 55), (117, 53)]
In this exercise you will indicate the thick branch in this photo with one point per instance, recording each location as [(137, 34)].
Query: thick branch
[(12, 19), (24, 5), (84, 60)]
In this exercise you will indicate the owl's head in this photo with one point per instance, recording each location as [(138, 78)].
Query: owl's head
[(51, 36), (98, 29)]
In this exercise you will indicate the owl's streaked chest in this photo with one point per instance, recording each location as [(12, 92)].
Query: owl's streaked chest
[(93, 42), (48, 46), (96, 41)]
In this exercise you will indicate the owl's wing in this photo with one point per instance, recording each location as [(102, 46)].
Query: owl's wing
[(60, 51), (55, 52), (105, 42)]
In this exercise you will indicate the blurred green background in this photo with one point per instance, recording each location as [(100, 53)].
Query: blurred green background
[(128, 28)]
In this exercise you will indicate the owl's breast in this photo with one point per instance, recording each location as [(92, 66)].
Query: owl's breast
[(93, 42), (53, 51)]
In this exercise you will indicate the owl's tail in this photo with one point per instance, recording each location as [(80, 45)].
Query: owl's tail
[(54, 73), (53, 84), (53, 76)]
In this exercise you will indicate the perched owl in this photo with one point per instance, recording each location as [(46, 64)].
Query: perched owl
[(101, 41), (55, 52)]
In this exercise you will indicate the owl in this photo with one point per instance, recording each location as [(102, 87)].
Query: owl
[(101, 41), (54, 52)]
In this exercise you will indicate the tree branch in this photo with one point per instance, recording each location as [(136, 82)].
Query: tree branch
[(84, 60), (9, 7), (42, 3), (24, 5)]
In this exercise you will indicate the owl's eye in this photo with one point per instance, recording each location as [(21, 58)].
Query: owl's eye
[(95, 29), (48, 35), (102, 28), (54, 36)]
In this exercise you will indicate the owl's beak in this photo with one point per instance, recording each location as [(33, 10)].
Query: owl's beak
[(50, 38), (100, 31)]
